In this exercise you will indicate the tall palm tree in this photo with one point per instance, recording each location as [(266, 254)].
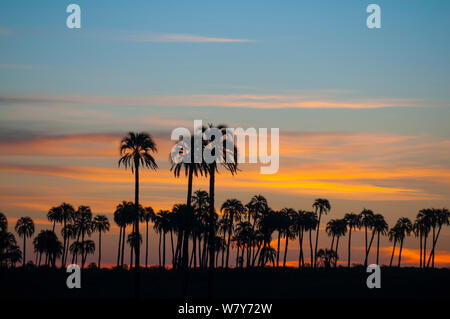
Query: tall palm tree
[(7, 244), (83, 226), (147, 217), (135, 151), (394, 235), (337, 228), (288, 216), (122, 217), (353, 223), (404, 227), (100, 225), (233, 211), (298, 228), (311, 222), (321, 206), (88, 248), (380, 227), (366, 217), (55, 215), (68, 232), (441, 218), (68, 213), (46, 242), (229, 163), (377, 222), (24, 228), (424, 219)]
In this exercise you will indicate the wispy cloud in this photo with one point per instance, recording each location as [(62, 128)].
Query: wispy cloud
[(257, 101), (173, 37)]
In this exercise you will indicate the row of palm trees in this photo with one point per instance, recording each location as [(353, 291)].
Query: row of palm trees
[(77, 225), (249, 229)]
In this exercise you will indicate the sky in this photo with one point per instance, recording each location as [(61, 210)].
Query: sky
[(363, 113)]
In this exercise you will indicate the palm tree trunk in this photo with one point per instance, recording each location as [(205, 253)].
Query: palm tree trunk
[(164, 250), (311, 249), (212, 174), (229, 240), (332, 243), (317, 238), (349, 245), (146, 244), (63, 261), (368, 250), (99, 249), (300, 245), (24, 250), (393, 251), (172, 248), (378, 247), (278, 247), (400, 253), (420, 249), (159, 249), (123, 244), (434, 246), (285, 251), (136, 221), (425, 250), (337, 248)]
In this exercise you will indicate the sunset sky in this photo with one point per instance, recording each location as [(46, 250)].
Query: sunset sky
[(363, 114)]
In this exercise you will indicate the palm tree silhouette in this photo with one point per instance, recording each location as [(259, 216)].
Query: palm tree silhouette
[(233, 211), (366, 217), (55, 215), (122, 217), (327, 257), (268, 254), (68, 213), (68, 232), (288, 216), (424, 221), (135, 149), (380, 227), (322, 206), (404, 229), (7, 242), (440, 217), (46, 242), (147, 217), (230, 164), (353, 223), (201, 203), (192, 168), (255, 209), (310, 225), (134, 239), (100, 225), (88, 247), (24, 228), (83, 226), (394, 235), (337, 228)]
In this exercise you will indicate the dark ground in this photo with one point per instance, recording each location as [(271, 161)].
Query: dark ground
[(228, 284)]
